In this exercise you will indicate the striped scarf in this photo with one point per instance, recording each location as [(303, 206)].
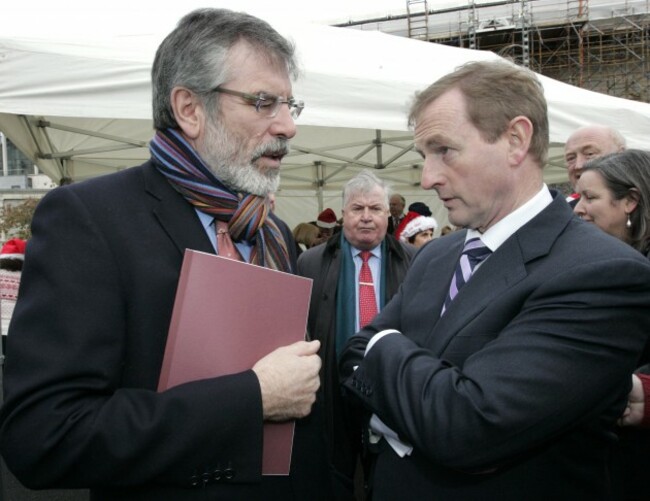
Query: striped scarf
[(246, 214)]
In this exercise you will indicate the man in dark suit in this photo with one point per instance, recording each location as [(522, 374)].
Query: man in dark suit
[(499, 369), (101, 270), (396, 205), (335, 311)]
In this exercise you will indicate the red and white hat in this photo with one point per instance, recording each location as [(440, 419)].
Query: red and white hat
[(326, 219), (13, 249), (412, 224)]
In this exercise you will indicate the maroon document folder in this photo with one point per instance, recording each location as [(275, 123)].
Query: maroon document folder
[(227, 315)]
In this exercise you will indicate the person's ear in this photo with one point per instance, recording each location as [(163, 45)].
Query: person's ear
[(519, 134), (631, 200), (188, 111)]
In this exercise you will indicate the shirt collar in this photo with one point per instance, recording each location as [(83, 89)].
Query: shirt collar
[(206, 219), (504, 229), (376, 252)]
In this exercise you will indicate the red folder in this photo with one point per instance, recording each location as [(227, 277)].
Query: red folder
[(227, 315)]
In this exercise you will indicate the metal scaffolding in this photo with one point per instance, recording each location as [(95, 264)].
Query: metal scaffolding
[(608, 54), (600, 45)]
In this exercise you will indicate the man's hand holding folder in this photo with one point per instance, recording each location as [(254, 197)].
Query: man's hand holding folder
[(230, 317), (288, 378)]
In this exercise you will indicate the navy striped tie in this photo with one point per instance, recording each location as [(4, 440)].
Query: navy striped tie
[(474, 252)]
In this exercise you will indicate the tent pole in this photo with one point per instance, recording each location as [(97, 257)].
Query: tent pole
[(378, 145), (319, 184)]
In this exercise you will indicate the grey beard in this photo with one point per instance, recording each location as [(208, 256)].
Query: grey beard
[(222, 153), (246, 178)]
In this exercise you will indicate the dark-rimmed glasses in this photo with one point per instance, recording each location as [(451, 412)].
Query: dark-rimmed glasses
[(266, 104)]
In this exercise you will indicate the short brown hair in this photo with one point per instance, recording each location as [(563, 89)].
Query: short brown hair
[(495, 92)]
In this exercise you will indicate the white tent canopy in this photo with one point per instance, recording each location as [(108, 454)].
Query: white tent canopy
[(80, 106)]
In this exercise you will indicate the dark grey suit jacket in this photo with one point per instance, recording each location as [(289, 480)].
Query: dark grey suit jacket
[(323, 264), (514, 392), (85, 350)]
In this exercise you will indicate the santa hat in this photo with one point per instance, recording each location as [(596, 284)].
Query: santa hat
[(13, 249), (412, 224), (326, 219)]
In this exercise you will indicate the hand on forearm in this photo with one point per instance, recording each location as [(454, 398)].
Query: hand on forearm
[(289, 380), (633, 414)]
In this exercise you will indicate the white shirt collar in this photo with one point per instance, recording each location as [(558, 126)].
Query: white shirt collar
[(376, 252), (504, 229)]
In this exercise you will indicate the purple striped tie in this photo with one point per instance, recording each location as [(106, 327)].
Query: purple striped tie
[(474, 252)]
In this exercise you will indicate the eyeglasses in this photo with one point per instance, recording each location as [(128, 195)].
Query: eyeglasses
[(265, 104)]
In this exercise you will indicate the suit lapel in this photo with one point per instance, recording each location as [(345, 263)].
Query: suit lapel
[(440, 272), (501, 271), (176, 216)]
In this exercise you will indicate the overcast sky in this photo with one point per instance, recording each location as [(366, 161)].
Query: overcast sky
[(122, 16), (48, 11)]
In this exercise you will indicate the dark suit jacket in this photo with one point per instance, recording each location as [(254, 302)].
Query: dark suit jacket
[(512, 394), (86, 347), (323, 264), (392, 226)]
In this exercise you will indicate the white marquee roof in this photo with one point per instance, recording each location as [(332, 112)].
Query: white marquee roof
[(80, 106)]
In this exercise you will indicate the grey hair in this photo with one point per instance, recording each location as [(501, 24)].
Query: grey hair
[(365, 182), (195, 55), (618, 139)]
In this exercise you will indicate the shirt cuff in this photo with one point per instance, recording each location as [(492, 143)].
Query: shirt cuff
[(377, 337), (378, 427)]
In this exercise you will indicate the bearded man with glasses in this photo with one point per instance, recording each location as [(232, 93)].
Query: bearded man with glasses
[(100, 278)]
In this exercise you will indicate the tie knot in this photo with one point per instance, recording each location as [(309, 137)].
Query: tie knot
[(365, 255), (476, 251)]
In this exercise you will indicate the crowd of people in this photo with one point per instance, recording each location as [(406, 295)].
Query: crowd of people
[(496, 358), (416, 227)]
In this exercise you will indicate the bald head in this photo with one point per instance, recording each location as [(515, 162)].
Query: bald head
[(590, 142)]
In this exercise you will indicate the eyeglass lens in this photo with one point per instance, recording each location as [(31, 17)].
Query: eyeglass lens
[(295, 107)]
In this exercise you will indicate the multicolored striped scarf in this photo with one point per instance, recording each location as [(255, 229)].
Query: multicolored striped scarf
[(246, 214)]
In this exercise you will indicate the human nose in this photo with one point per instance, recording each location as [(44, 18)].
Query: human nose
[(431, 175), (283, 123), (579, 208), (579, 163)]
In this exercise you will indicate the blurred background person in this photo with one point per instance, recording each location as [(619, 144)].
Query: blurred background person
[(12, 256), (326, 223), (305, 235), (587, 143), (421, 208), (355, 275), (615, 196), (614, 192), (446, 229), (396, 204), (416, 230)]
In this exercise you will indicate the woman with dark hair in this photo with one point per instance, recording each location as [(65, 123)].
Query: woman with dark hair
[(416, 229), (615, 195)]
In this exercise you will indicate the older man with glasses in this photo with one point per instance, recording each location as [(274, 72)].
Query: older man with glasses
[(82, 406)]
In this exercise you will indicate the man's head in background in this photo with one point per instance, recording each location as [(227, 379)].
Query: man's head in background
[(587, 143)]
